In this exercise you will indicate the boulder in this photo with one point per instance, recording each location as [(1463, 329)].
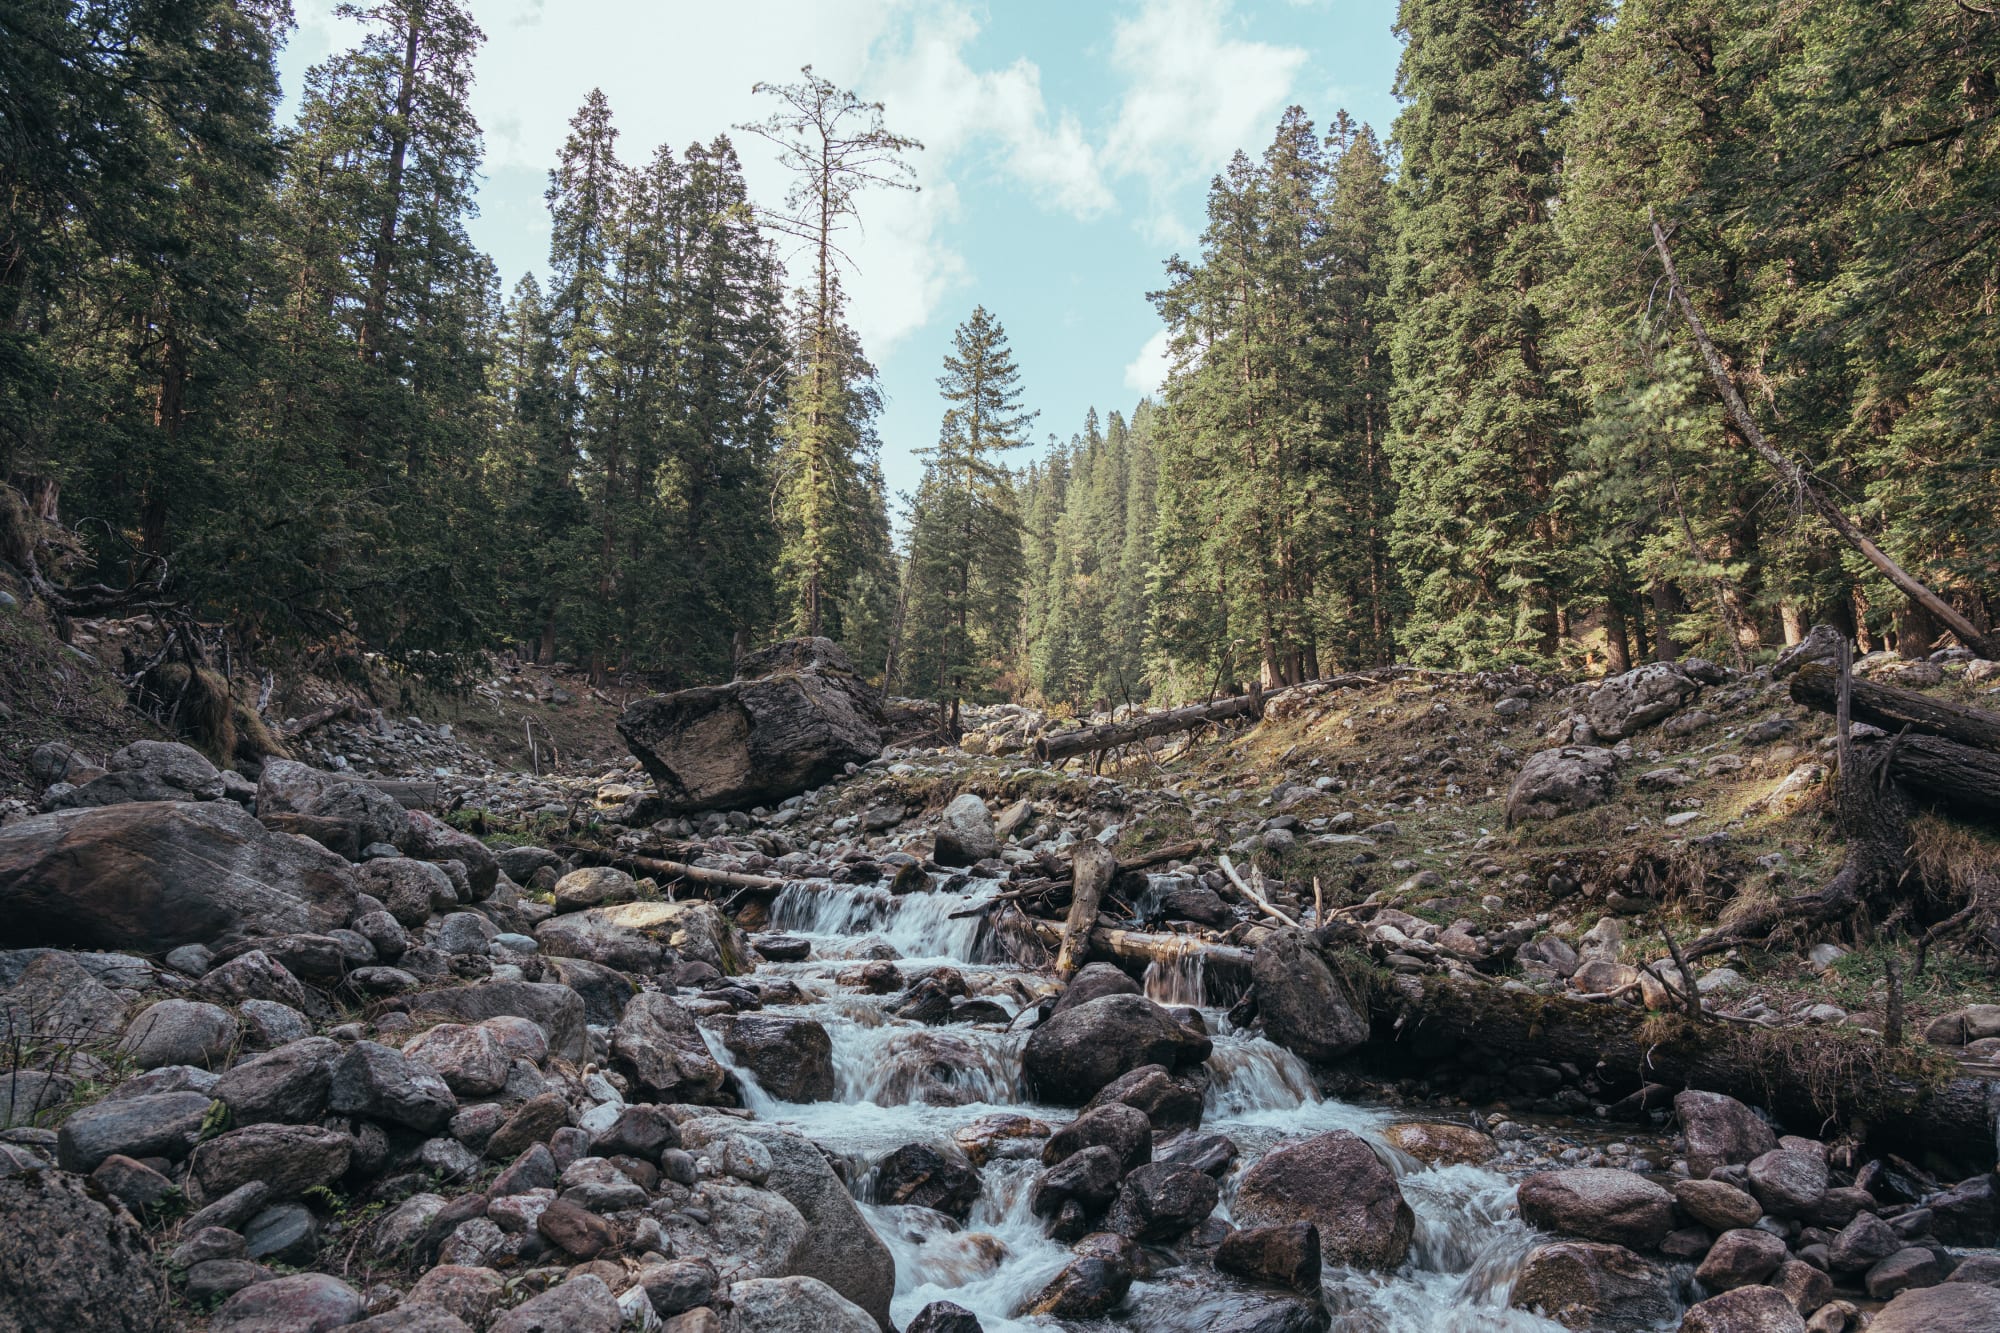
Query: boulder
[(1598, 1203), (1306, 1008), (152, 876), (1740, 1258), (55, 999), (694, 930), (1336, 1182), (469, 1293), (965, 833), (1629, 703), (431, 839), (287, 1085), (1955, 1307), (150, 771), (69, 1262), (1283, 1256), (658, 1046), (795, 715), (1123, 1129), (557, 1010), (1441, 1144), (1744, 1310), (287, 1160), (1560, 782), (162, 1124), (255, 976), (1861, 1244), (839, 1248), (473, 1061), (795, 1305), (1162, 1201), (1788, 1182), (581, 1304), (1093, 1284), (1721, 1131), (1716, 1204), (381, 1083), (944, 1317), (791, 1055), (919, 1174), (1088, 1178), (1968, 1213), (1585, 1285), (411, 891), (1912, 1266), (1094, 981), (1076, 1052), (1169, 1103), (287, 787)]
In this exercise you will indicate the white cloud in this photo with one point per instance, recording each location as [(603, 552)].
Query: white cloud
[(1148, 371), (1194, 95)]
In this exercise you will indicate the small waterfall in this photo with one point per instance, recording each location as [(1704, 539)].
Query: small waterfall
[(1252, 1079), (895, 1065), (917, 925), (1179, 980), (990, 1266)]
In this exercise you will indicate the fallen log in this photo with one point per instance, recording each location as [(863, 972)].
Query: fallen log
[(1142, 947), (1946, 772), (1254, 898), (1818, 687), (1065, 744), (1092, 867), (319, 718), (703, 875), (1907, 1099)]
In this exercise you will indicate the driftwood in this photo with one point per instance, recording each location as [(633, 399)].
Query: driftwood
[(1799, 480), (1946, 752), (1904, 1100), (1143, 947), (701, 875), (320, 717), (1254, 898), (1092, 867), (1064, 744)]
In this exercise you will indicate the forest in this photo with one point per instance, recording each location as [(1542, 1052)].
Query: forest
[(1432, 399)]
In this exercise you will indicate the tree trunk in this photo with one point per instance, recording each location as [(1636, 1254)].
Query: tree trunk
[(1092, 867), (1818, 687)]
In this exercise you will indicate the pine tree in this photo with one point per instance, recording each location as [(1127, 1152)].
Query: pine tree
[(966, 558), (1480, 413)]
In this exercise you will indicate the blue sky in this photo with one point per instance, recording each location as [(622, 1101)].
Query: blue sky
[(1068, 149)]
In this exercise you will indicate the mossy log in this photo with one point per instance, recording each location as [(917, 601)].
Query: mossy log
[(1912, 1100)]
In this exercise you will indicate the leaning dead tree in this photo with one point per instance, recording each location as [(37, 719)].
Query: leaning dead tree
[(1800, 480)]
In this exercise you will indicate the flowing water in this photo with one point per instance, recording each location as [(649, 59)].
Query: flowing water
[(899, 1082)]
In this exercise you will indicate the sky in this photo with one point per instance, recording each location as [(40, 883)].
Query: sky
[(1067, 151)]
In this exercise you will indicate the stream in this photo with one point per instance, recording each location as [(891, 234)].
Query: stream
[(892, 1088)]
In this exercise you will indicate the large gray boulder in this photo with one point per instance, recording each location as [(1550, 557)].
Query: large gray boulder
[(1580, 1284), (1305, 1007), (150, 771), (965, 832), (1076, 1052), (795, 1305), (1337, 1183), (658, 1046), (1629, 703), (795, 715), (790, 1054), (1721, 1131), (287, 787), (1561, 782), (68, 1262), (1955, 1307), (1598, 1203), (557, 1010), (153, 875), (840, 1248)]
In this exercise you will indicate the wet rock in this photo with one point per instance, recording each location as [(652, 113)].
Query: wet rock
[(1861, 1244), (1123, 1129), (1168, 1103), (1076, 1052), (1744, 1310), (792, 1056), (1212, 1153), (692, 931), (383, 1084), (1305, 1007), (1955, 1307), (1094, 981), (1787, 1182), (304, 1303), (678, 1286), (919, 1174), (179, 1032), (589, 936), (1274, 1314), (582, 1304), (1000, 1135), (163, 1124), (925, 1002), (1740, 1258), (1161, 1201), (944, 1317), (795, 1305), (156, 875), (69, 1262), (287, 1085), (1913, 1266), (965, 835), (1336, 1182), (1721, 1131), (658, 1045), (472, 1060), (1286, 1255), (1585, 1285), (1089, 1177), (1561, 781), (1717, 1205), (1598, 1203), (1436, 1144), (1968, 1213), (1093, 1284), (283, 1233), (287, 1159), (793, 717), (557, 1010)]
